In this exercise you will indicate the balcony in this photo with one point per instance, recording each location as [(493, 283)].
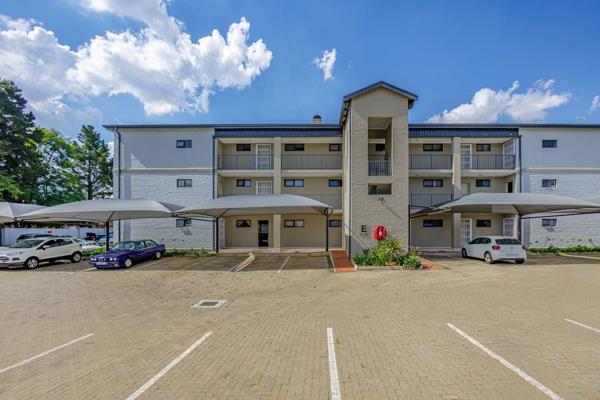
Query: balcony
[(311, 161), (244, 161), (333, 200), (379, 166), (488, 161), (430, 161), (427, 200)]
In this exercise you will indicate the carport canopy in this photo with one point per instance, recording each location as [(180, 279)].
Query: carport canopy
[(11, 211)]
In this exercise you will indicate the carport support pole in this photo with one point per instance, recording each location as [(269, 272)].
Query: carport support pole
[(326, 231), (107, 235), (217, 235)]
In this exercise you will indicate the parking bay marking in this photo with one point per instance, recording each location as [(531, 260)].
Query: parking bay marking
[(583, 325), (45, 353), (284, 263), (166, 369), (333, 371), (507, 364)]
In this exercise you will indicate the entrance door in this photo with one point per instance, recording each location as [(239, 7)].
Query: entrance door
[(508, 152), (465, 156), (465, 189), (465, 231), (508, 227), (263, 233), (264, 187), (263, 156), (509, 187)]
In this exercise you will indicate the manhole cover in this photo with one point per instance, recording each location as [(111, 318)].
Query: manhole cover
[(209, 304)]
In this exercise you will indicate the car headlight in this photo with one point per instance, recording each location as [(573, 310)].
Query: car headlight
[(113, 259)]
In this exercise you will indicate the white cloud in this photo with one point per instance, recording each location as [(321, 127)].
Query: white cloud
[(111, 148), (489, 105), (326, 63), (160, 65), (595, 104)]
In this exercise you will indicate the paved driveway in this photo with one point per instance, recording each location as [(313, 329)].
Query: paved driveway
[(69, 333)]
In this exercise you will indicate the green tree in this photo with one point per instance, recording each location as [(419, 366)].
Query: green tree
[(93, 164)]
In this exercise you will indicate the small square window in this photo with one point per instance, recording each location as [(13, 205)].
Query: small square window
[(433, 147), (184, 183), (484, 223), (433, 183), (433, 223), (383, 188), (483, 147), (549, 222), (293, 223), (243, 223), (184, 144), (244, 183), (548, 183), (294, 147), (379, 146), (183, 222), (335, 147), (243, 147), (483, 183), (335, 183), (335, 223), (549, 143), (293, 182)]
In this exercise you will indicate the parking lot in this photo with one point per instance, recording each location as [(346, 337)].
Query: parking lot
[(291, 329)]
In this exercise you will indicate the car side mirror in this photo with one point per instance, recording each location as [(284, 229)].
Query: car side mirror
[(44, 247)]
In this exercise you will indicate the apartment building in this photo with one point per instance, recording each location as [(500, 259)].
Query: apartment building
[(373, 168)]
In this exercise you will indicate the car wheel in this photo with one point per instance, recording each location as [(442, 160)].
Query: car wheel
[(521, 261), (158, 255), (128, 263), (464, 253), (32, 263), (488, 258), (76, 257)]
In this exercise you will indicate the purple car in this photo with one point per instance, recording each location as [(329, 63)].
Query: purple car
[(124, 254)]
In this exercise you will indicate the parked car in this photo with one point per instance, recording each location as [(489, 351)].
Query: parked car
[(88, 245), (31, 252), (91, 236), (495, 248), (34, 236), (125, 254), (102, 239)]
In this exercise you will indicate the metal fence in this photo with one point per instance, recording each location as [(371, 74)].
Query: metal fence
[(311, 161), (488, 161), (245, 161), (379, 167), (431, 161), (429, 199)]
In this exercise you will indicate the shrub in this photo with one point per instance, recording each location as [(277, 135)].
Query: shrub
[(89, 253), (387, 253), (188, 252), (411, 260)]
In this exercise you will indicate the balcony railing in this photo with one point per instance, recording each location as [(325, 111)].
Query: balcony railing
[(311, 161), (488, 161), (333, 200), (244, 161), (379, 166), (431, 161), (429, 199)]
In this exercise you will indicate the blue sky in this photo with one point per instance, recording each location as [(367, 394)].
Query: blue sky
[(444, 51)]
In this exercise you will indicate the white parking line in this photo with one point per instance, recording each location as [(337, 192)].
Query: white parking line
[(89, 269), (30, 359), (284, 263), (583, 325), (166, 369), (507, 364), (333, 371), (143, 265), (190, 266)]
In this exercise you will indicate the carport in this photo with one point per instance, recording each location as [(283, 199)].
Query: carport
[(275, 204)]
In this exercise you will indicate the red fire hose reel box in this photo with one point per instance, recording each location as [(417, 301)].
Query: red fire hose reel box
[(380, 232)]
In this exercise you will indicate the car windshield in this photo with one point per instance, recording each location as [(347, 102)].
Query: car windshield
[(26, 244), (507, 241), (124, 246)]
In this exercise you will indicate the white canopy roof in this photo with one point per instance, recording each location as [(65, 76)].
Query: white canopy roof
[(103, 210), (255, 204), (510, 203), (10, 211)]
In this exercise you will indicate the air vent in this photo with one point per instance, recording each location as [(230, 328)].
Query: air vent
[(209, 304)]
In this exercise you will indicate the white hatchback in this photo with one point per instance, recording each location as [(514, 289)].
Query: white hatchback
[(31, 252), (495, 248)]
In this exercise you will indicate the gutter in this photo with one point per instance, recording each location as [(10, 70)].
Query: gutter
[(118, 148)]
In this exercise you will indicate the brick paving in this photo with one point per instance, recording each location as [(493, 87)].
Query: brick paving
[(269, 339)]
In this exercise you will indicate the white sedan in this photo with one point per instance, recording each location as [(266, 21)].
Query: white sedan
[(87, 245), (495, 248), (31, 252)]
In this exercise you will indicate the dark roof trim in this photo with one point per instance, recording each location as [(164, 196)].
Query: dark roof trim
[(499, 126), (278, 132), (462, 132), (225, 126)]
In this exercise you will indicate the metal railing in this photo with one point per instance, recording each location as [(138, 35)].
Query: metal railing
[(333, 200), (428, 199), (430, 161), (379, 166), (311, 161), (488, 161), (244, 161)]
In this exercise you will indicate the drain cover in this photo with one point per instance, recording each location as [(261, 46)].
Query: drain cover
[(209, 304)]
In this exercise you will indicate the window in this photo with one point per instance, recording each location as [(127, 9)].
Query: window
[(549, 222), (293, 182), (244, 183), (433, 182), (385, 188), (548, 183), (335, 183), (433, 147), (294, 147), (335, 223), (549, 143), (507, 241), (243, 223), (433, 223), (184, 183), (483, 183), (184, 144), (293, 223), (335, 147), (140, 245), (243, 147), (182, 222), (483, 147), (379, 146), (150, 243), (483, 223)]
